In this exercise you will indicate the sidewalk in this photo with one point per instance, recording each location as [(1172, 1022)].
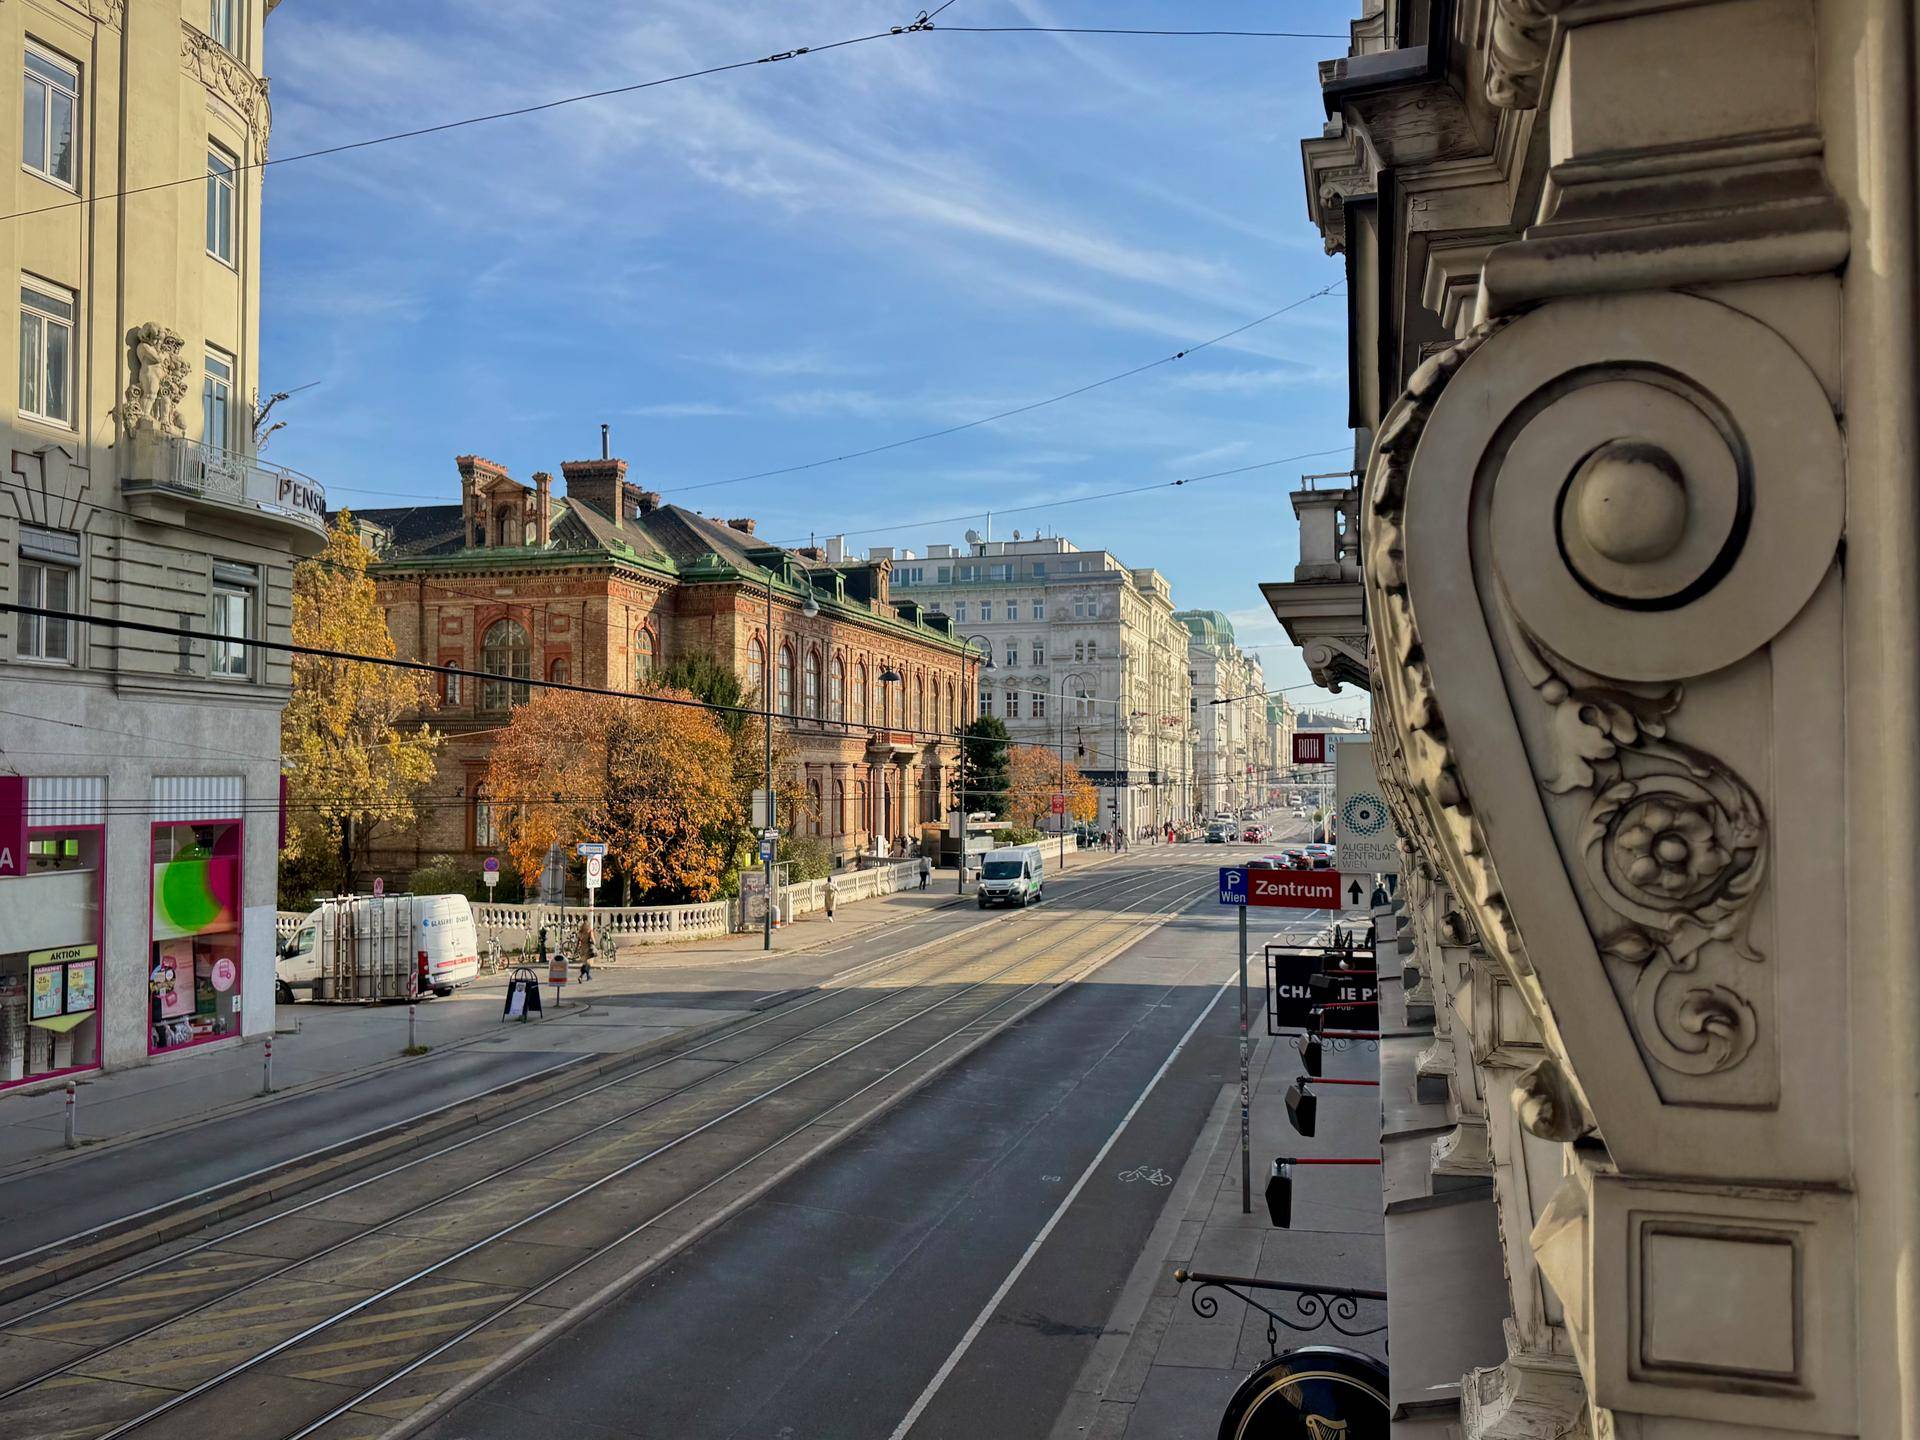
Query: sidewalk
[(1161, 1370)]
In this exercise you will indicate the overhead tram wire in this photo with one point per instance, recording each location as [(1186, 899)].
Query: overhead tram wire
[(921, 25)]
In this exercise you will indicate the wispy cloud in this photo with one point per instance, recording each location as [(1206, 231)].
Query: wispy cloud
[(683, 409)]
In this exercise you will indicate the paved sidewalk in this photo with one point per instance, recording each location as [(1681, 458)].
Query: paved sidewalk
[(1163, 1371)]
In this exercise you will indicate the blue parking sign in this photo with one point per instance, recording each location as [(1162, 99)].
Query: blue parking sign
[(1233, 885)]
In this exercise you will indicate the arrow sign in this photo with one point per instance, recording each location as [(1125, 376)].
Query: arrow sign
[(1353, 892)]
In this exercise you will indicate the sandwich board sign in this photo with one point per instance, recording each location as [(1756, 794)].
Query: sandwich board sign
[(1365, 842)]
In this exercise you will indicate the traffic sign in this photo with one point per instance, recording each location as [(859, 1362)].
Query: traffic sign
[(1286, 889), (590, 848), (766, 847), (379, 887), (593, 872), (490, 871)]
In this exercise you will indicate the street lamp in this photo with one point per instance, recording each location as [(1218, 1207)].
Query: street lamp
[(888, 676), (960, 801), (809, 607), (1065, 680)]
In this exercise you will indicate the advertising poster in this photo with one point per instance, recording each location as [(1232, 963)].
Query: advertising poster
[(81, 995), (48, 991), (172, 979), (1365, 842)]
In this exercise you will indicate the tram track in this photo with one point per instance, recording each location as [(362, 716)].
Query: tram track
[(970, 991)]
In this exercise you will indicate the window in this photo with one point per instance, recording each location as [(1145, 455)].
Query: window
[(986, 610), (643, 654), (786, 680), (50, 101), (220, 195), (757, 670), (1013, 609), (837, 690), (1039, 704), (950, 709), (560, 671), (1013, 654), (504, 652), (485, 834), (1079, 649), (1039, 651), (1039, 573), (1013, 704), (986, 702), (221, 18), (944, 574), (813, 684), (960, 612), (1079, 609), (1000, 572), (1040, 609), (46, 353), (450, 684), (216, 400), (236, 601), (860, 693), (49, 579), (1093, 649)]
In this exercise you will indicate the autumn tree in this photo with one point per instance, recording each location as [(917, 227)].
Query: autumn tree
[(354, 762), (1035, 777), (654, 781)]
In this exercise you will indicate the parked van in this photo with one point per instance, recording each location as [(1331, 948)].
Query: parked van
[(1012, 876), (381, 947)]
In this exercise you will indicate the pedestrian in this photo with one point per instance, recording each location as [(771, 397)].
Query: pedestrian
[(584, 941), (926, 871), (833, 893)]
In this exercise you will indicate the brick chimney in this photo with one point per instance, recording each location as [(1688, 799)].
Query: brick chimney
[(473, 470), (649, 501), (542, 502), (599, 483), (743, 525)]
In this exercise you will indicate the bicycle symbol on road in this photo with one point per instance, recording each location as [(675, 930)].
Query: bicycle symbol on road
[(1155, 1176)]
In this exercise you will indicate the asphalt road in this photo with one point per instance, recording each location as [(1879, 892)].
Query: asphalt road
[(938, 1274)]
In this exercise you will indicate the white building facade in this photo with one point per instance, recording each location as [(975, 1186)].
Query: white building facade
[(139, 788), (1087, 658), (1233, 754)]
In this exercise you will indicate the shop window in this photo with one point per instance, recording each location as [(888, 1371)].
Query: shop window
[(50, 580), (193, 975), (236, 609), (50, 958)]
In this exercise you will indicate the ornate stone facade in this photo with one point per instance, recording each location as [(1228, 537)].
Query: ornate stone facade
[(1636, 526)]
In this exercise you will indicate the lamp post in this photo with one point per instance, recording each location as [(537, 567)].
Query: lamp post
[(1065, 680), (809, 607), (888, 676), (960, 800)]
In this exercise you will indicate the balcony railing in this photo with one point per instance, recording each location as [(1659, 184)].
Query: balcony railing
[(242, 482)]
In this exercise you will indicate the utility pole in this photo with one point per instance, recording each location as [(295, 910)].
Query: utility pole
[(809, 607)]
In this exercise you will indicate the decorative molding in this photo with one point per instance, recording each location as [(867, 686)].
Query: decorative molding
[(1519, 34), (1547, 1105), (1529, 1397), (159, 384), (109, 12), (51, 490), (214, 66)]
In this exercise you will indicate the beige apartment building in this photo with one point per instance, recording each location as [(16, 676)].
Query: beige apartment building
[(1087, 656), (139, 776), (1627, 565), (1233, 745)]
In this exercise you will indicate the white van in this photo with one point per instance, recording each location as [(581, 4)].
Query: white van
[(385, 947), (1014, 875)]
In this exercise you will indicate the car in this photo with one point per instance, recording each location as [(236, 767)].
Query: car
[(1294, 858), (1265, 862), (1216, 837)]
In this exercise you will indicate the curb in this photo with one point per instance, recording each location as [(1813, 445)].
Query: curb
[(118, 1240), (479, 1379)]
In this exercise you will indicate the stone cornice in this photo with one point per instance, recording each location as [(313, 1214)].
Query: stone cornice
[(214, 66)]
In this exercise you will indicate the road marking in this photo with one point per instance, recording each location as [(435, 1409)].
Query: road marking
[(1026, 1259)]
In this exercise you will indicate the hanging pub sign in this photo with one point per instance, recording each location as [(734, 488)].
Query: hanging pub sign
[(1310, 748), (1314, 1392), (1303, 977)]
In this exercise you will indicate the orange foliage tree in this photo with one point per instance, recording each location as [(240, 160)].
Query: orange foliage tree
[(654, 782), (1034, 779)]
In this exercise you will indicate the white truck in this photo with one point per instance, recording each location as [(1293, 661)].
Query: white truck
[(1013, 875), (357, 948)]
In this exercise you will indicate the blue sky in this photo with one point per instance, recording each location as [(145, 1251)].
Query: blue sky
[(788, 262)]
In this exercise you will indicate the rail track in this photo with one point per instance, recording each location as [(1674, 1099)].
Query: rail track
[(346, 1311)]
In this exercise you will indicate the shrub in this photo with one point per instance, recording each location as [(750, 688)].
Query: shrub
[(1017, 835), (444, 875), (809, 857)]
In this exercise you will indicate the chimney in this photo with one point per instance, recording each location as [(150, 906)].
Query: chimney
[(649, 501), (743, 525), (598, 483), (474, 470), (542, 503), (605, 454)]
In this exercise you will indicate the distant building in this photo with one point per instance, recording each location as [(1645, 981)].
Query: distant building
[(602, 585), (1087, 654), (1232, 756)]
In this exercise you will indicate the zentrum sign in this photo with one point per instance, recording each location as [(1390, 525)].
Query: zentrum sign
[(1286, 889)]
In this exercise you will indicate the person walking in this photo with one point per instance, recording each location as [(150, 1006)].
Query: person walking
[(833, 893), (583, 941), (926, 871)]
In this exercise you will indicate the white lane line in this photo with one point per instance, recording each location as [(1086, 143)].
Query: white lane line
[(986, 1313)]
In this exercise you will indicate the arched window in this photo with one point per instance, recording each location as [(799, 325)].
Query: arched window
[(813, 687), (560, 671), (643, 655), (816, 817), (839, 822), (1079, 649), (950, 712), (837, 691), (786, 680), (485, 836), (919, 702), (504, 652), (1093, 649), (757, 670), (860, 693)]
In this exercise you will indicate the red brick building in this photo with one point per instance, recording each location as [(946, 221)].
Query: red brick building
[(603, 584)]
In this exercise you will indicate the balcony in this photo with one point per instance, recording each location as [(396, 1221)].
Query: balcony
[(1322, 606), (169, 477)]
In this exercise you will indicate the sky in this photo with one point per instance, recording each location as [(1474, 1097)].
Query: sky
[(784, 263)]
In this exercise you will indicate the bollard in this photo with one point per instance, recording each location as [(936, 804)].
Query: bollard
[(266, 1062), (411, 1047), (72, 1092)]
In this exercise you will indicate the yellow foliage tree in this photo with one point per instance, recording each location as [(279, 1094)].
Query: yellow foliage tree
[(1034, 776), (654, 782), (354, 765)]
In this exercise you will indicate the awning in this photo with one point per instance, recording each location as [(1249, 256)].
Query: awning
[(60, 1024)]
